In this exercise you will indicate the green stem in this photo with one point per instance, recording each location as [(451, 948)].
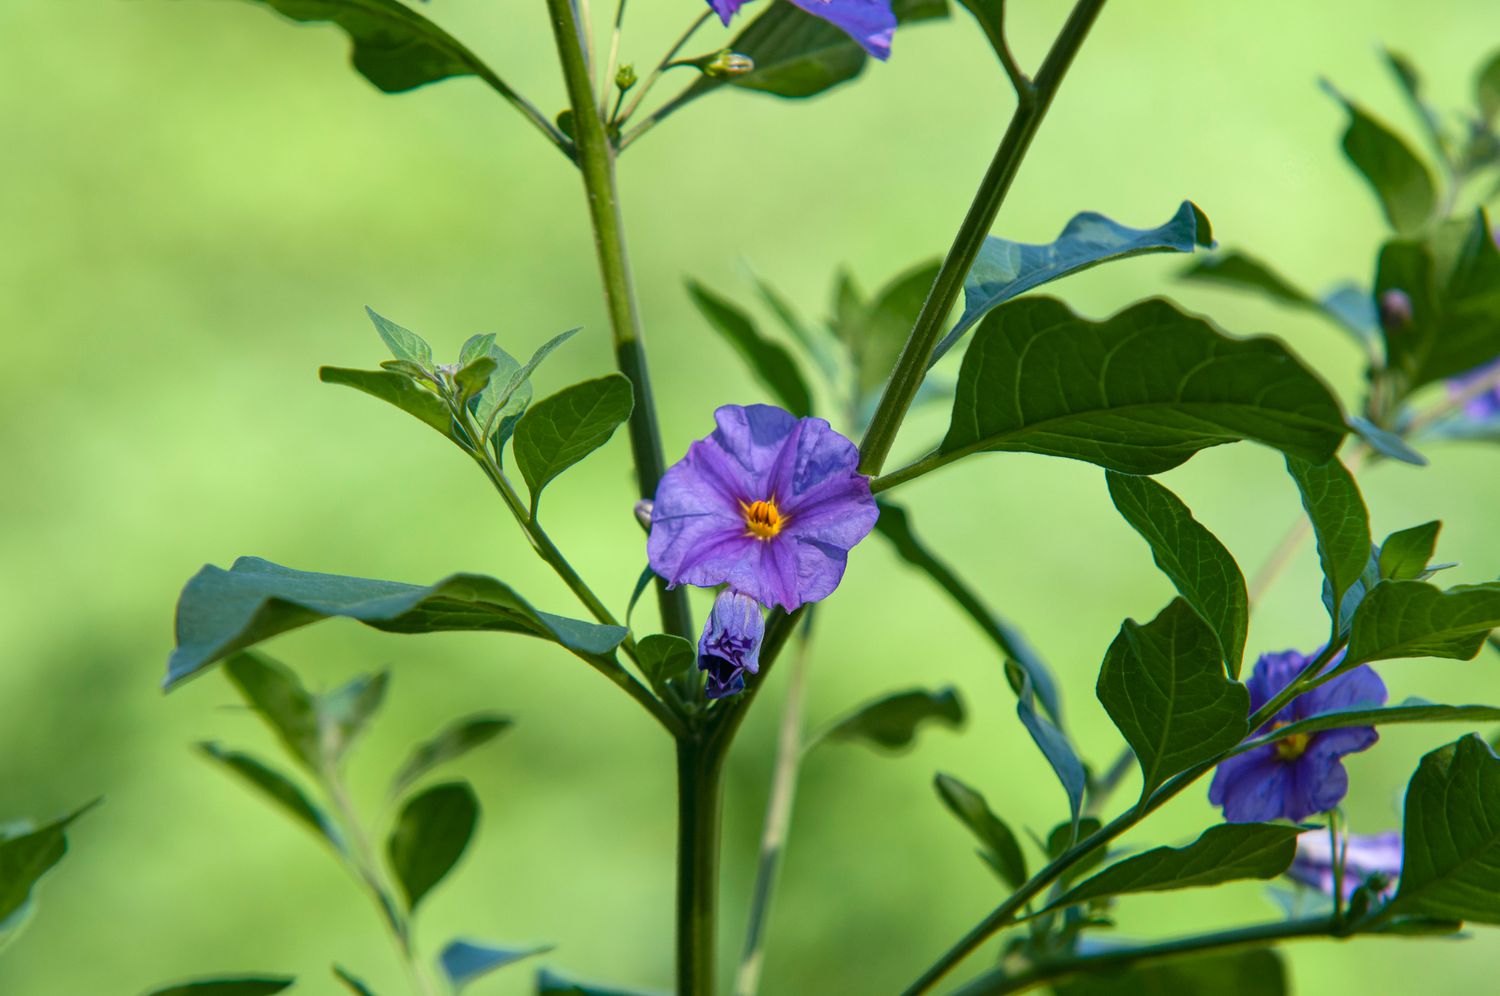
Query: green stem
[(998, 981), (661, 67), (911, 368), (1006, 913), (596, 161), (700, 774)]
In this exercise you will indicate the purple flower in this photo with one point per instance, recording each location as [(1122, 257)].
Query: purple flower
[(1484, 406), (769, 504), (1364, 857), (730, 644), (1303, 774), (869, 22)]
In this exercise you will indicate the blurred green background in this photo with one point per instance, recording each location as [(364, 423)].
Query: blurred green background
[(197, 201)]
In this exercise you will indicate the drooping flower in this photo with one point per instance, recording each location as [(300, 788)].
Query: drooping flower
[(1484, 406), (1302, 774), (769, 504), (871, 23), (730, 644), (1365, 857)]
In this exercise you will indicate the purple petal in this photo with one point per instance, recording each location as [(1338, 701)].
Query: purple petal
[(1272, 673), (730, 645), (869, 22), (1347, 740), (1358, 688), (751, 439), (726, 8), (1485, 406), (1255, 791), (1319, 782)]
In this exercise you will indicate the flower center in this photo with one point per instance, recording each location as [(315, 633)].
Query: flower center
[(1291, 747), (762, 518)]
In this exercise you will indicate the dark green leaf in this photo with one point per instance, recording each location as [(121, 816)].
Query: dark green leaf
[(453, 742), (1163, 684), (1223, 853), (353, 984), (221, 612), (991, 17), (1410, 82), (273, 691), (1386, 443), (344, 712), (549, 983), (1404, 555), (559, 431), (1410, 711), (247, 986), (1201, 569), (1450, 860), (392, 46), (1063, 837), (430, 836), (1139, 393), (474, 377), (1342, 527), (397, 389), (892, 722), (1000, 847), (464, 961), (279, 789), (1236, 269), (1257, 972), (665, 659), (1005, 269), (895, 525), (1487, 88), (880, 334), (26, 857), (1416, 619), (403, 343), (1051, 741), (772, 365), (641, 584), (1398, 177)]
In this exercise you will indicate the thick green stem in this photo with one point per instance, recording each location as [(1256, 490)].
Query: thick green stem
[(1031, 108), (997, 982), (596, 161), (700, 792)]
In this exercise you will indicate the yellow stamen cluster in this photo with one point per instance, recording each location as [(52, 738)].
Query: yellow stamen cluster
[(762, 518), (1291, 747)]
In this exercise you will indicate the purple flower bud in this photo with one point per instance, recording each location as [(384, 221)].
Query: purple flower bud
[(1303, 774), (730, 644), (1375, 858), (1395, 310)]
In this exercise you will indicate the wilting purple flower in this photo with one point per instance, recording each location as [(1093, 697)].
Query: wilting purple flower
[(869, 22), (1484, 406), (1364, 856), (730, 644), (1296, 776), (769, 504)]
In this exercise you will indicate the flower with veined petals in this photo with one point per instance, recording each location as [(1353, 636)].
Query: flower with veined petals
[(871, 23), (768, 504), (730, 645), (1303, 774), (1364, 857)]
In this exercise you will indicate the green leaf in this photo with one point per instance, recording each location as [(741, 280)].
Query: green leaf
[(1006, 269), (1416, 619), (1410, 711), (352, 983), (1487, 88), (393, 47), (474, 377), (1163, 685), (1404, 555), (1062, 838), (26, 857), (403, 343), (1201, 569), (892, 722), (1051, 741), (453, 742), (1342, 527), (221, 612), (1138, 393), (549, 983), (991, 17), (816, 340), (462, 962), (1223, 853), (273, 691), (772, 365), (1257, 972), (246, 986), (474, 347), (665, 660), (344, 712), (1453, 283), (1450, 859), (278, 788), (515, 390), (895, 525), (1001, 850), (1400, 180), (1233, 268), (430, 836), (875, 341), (397, 389), (561, 430), (1386, 443)]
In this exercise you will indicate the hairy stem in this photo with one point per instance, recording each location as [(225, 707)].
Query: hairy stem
[(911, 368)]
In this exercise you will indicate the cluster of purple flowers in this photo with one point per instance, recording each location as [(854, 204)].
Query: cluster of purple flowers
[(769, 506)]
